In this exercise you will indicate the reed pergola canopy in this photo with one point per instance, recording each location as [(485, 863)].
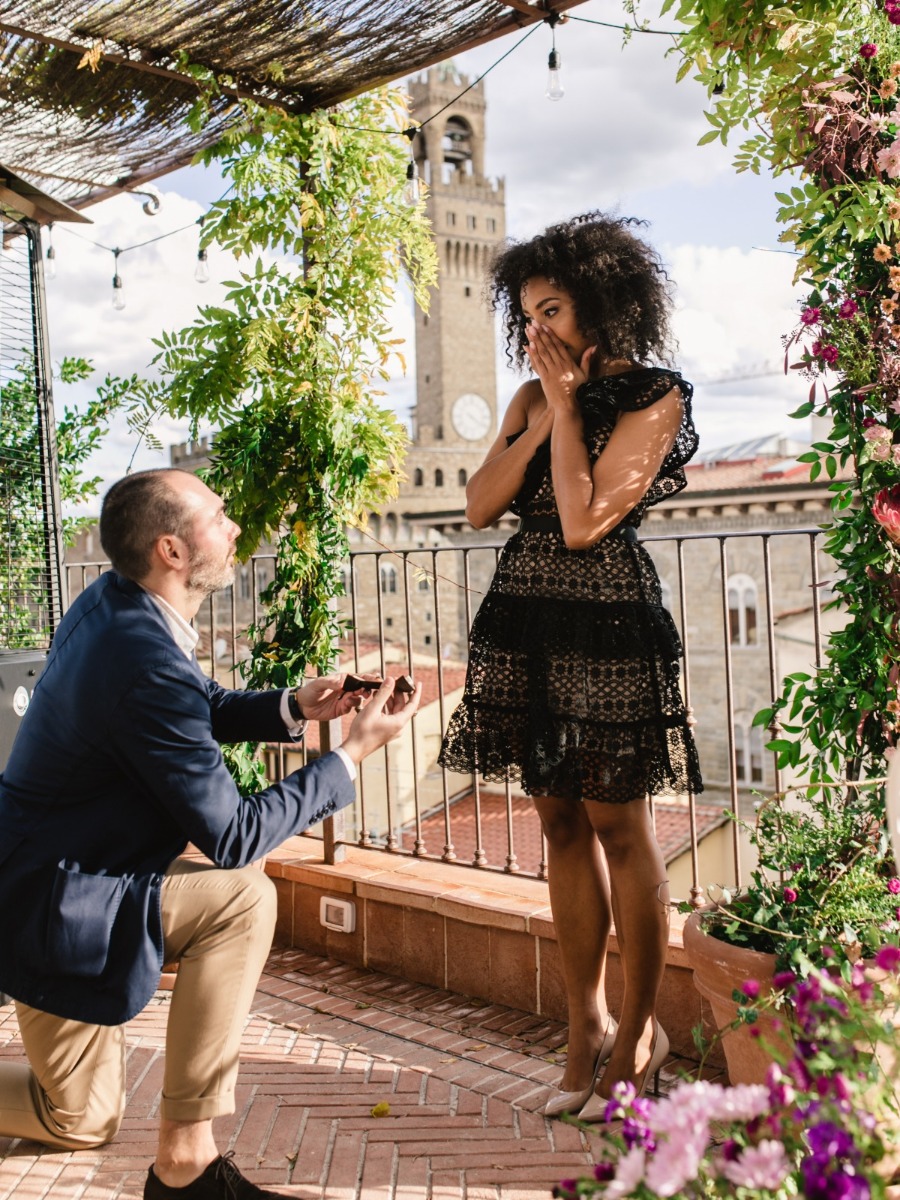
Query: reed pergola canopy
[(95, 96)]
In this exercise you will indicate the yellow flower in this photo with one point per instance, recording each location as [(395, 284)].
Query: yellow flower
[(893, 210), (887, 89), (888, 306), (882, 253)]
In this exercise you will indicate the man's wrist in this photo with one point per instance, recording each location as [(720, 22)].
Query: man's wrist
[(294, 707)]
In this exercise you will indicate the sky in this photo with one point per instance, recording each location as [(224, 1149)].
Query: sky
[(622, 139)]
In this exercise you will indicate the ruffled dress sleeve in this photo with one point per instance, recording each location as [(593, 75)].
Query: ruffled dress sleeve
[(603, 399)]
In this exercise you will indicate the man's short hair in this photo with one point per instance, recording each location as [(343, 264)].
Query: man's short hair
[(136, 511)]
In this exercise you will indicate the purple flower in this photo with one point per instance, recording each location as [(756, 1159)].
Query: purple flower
[(888, 958), (784, 979), (830, 353), (790, 895), (811, 316), (868, 50), (827, 952), (750, 988), (848, 309), (894, 886), (604, 1171), (730, 1150)]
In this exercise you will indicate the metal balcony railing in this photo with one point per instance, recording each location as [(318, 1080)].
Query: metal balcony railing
[(750, 607)]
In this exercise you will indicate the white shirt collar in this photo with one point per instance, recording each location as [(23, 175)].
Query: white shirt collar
[(186, 637)]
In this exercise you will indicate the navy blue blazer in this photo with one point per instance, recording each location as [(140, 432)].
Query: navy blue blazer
[(116, 766)]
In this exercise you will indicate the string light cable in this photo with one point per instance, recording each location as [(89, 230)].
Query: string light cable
[(554, 91)]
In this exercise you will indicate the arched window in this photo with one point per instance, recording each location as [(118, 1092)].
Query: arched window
[(742, 608), (749, 742), (439, 478), (418, 477), (462, 478), (388, 575)]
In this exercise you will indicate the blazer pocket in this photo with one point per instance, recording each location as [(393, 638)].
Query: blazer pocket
[(83, 909)]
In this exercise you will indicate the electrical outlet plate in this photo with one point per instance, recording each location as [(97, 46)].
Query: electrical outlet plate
[(339, 915)]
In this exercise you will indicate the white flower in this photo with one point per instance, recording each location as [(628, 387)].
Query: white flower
[(742, 1102), (762, 1167)]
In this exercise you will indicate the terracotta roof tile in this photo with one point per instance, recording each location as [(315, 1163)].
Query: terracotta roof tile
[(672, 828)]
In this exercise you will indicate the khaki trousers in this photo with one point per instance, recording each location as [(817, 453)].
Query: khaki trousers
[(71, 1094)]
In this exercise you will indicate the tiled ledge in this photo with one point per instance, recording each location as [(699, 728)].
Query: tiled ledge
[(482, 934)]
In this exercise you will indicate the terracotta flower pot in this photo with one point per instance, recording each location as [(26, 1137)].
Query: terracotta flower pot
[(720, 968)]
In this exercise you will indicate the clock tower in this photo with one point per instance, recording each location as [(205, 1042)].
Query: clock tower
[(455, 416)]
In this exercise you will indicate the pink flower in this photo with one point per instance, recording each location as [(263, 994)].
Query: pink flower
[(895, 407), (789, 894), (629, 1174), (811, 316), (830, 354), (888, 958), (868, 50), (873, 432), (894, 886), (881, 450), (888, 160), (849, 308), (897, 913), (886, 511), (750, 988), (763, 1167)]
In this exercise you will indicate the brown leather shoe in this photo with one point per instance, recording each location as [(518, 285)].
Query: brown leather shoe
[(220, 1181)]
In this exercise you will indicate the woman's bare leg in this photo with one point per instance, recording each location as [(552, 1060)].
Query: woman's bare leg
[(637, 875), (580, 903)]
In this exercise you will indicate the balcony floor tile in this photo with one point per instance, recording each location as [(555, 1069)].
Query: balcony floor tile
[(324, 1044)]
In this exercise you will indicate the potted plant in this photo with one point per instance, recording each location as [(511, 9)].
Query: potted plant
[(823, 894)]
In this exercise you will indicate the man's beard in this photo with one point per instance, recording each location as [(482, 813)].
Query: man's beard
[(207, 575)]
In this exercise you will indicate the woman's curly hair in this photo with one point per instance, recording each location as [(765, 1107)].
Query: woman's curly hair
[(618, 283)]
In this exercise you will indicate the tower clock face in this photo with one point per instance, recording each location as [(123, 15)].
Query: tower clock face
[(471, 416)]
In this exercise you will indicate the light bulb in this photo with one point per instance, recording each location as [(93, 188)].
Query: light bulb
[(411, 187), (201, 271), (50, 267), (555, 89), (118, 294)]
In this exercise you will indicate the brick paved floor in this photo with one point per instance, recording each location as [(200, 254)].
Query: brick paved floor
[(463, 1082)]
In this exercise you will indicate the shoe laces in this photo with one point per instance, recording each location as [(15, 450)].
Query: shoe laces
[(229, 1174)]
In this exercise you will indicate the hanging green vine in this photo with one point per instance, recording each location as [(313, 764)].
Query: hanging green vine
[(812, 89), (289, 367)]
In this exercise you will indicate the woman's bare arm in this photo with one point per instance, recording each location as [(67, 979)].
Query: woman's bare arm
[(591, 502), (499, 479)]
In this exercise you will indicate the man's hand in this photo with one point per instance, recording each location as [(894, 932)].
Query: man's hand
[(382, 718), (323, 699)]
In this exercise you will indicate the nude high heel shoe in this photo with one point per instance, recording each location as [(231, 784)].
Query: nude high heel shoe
[(595, 1107), (571, 1102)]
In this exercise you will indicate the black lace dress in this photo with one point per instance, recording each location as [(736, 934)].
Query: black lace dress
[(573, 678)]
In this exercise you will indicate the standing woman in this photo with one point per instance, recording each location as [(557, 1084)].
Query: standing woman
[(573, 672)]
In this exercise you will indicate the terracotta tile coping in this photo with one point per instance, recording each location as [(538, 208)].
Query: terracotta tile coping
[(461, 892)]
